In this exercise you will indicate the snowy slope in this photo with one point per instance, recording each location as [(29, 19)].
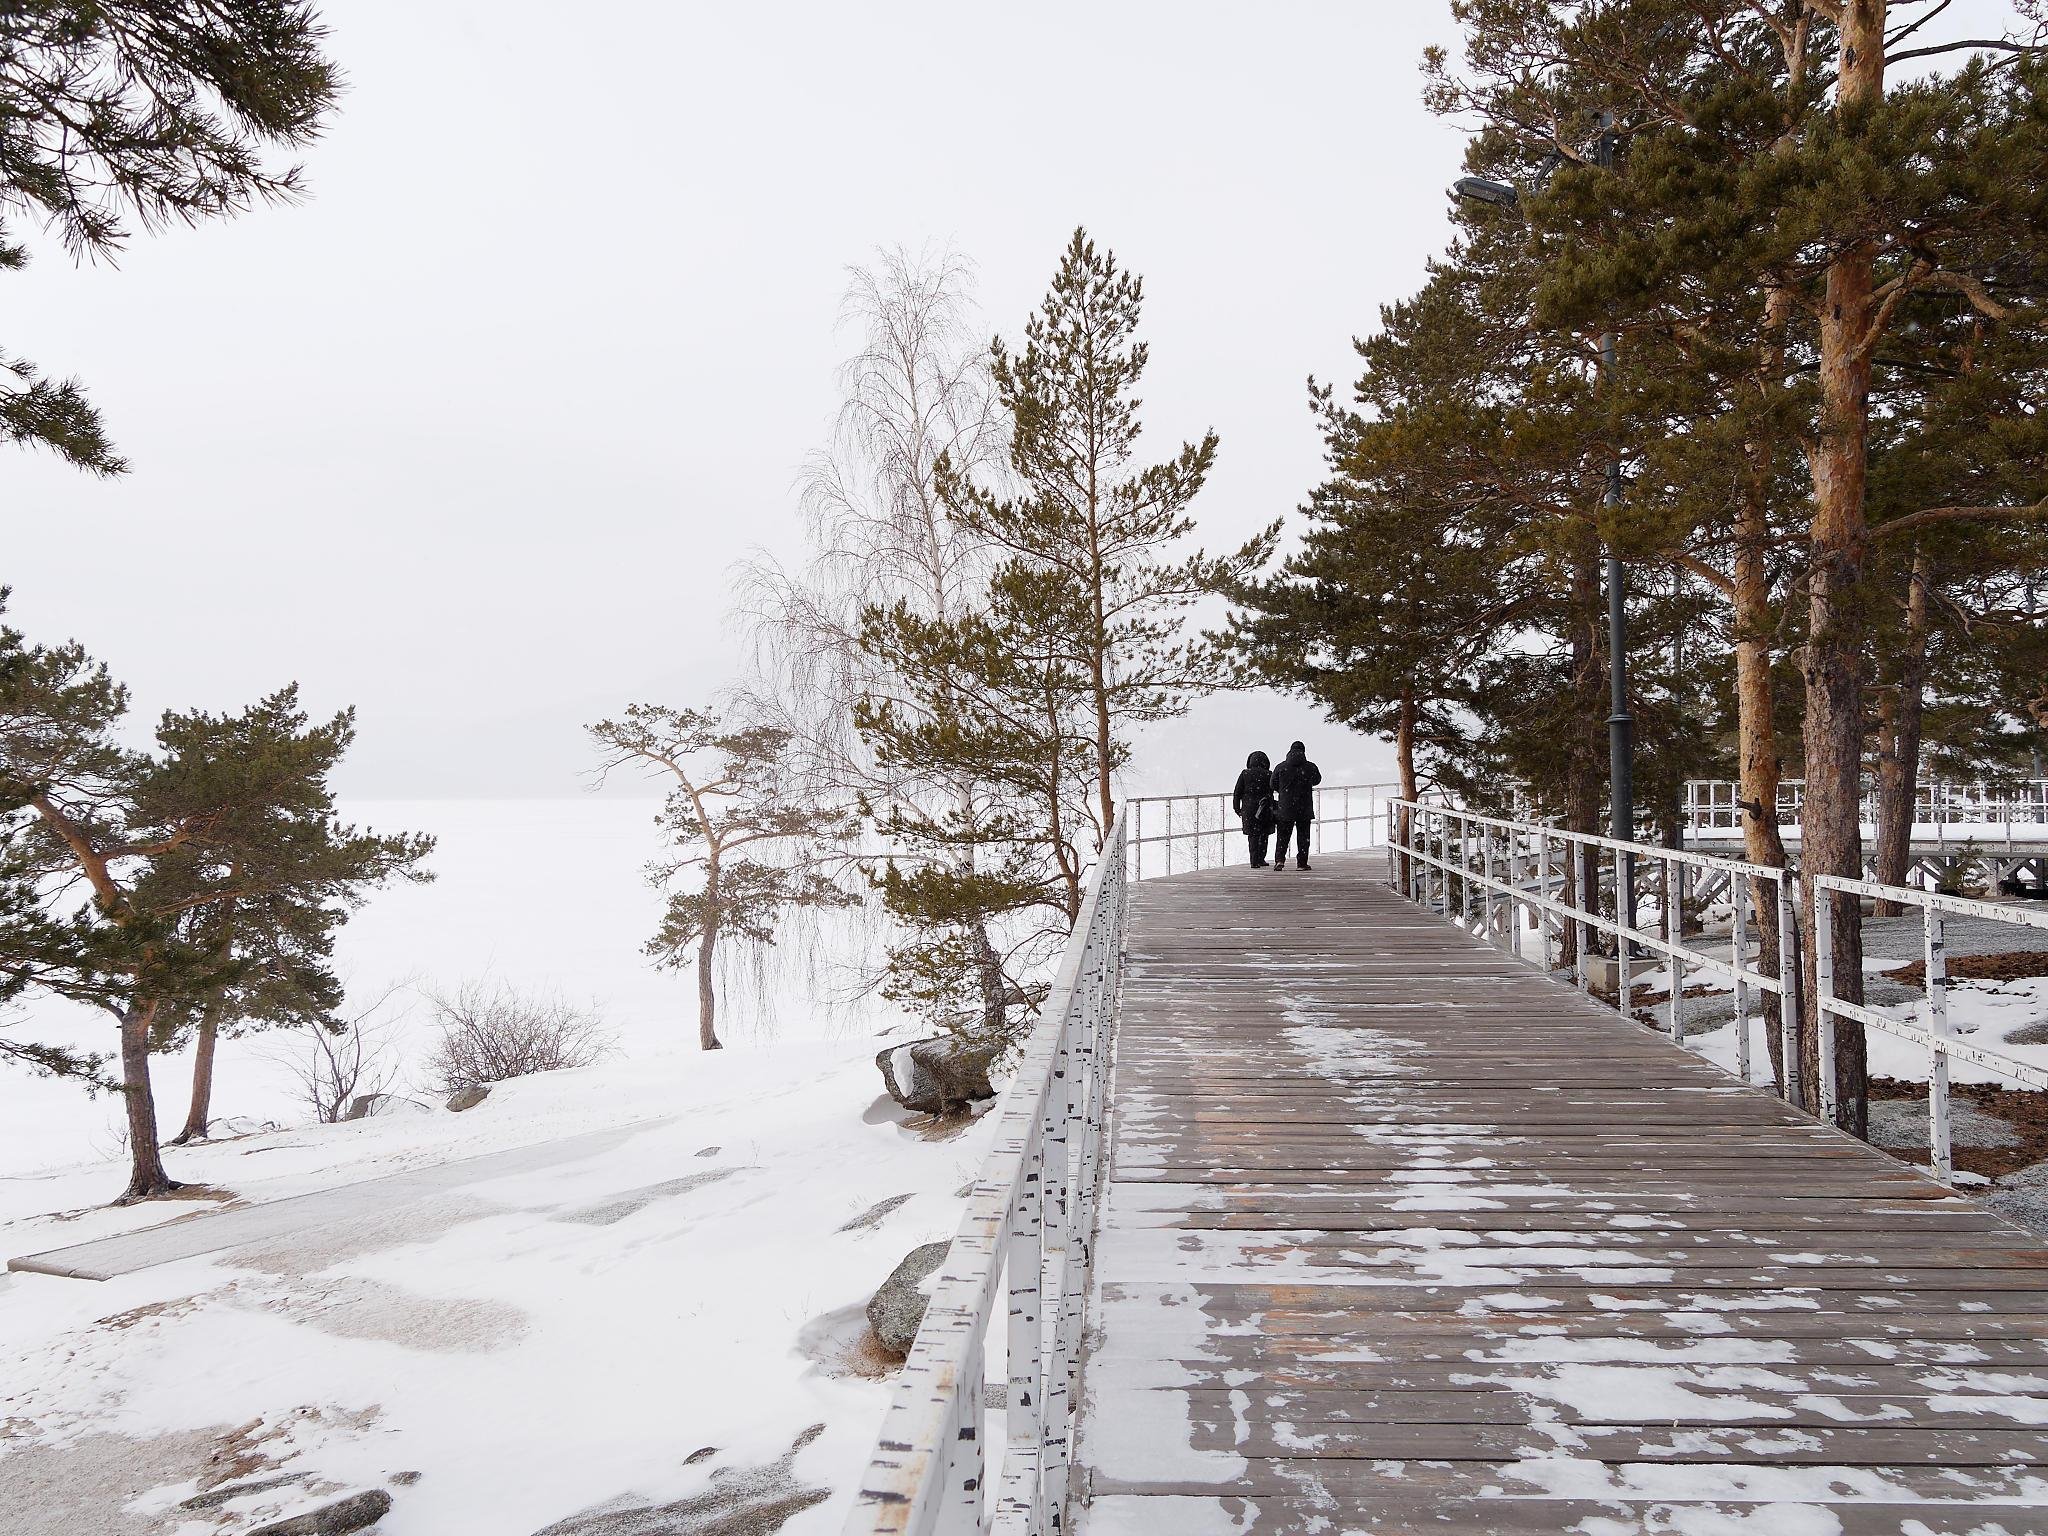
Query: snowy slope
[(532, 1347)]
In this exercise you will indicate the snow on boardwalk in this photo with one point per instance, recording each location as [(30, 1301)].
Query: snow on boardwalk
[(1401, 1236)]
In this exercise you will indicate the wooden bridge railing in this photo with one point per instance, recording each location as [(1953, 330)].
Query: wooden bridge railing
[(1026, 1238), (1175, 834), (1466, 865)]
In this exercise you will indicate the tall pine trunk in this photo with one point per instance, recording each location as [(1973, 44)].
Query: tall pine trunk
[(1831, 832), (200, 1115), (1404, 758), (146, 1177), (1756, 731), (1898, 761), (707, 952), (1586, 753)]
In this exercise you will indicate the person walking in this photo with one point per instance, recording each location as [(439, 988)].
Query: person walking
[(1252, 799), (1294, 791)]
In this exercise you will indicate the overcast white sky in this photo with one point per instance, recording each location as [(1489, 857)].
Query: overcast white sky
[(472, 438)]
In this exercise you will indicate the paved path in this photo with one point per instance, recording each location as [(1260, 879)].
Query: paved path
[(216, 1231), (1402, 1237)]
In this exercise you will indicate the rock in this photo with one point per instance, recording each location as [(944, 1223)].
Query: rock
[(2022, 1198), (404, 1479), (227, 1493), (468, 1098), (707, 1152), (741, 1501), (337, 1519), (938, 1075), (897, 1308), (365, 1105), (702, 1453), (1901, 1126), (872, 1216)]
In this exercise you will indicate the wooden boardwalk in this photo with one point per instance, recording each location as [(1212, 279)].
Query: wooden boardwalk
[(1401, 1236)]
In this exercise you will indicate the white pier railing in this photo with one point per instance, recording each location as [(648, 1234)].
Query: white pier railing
[(1021, 1254), (1931, 1031), (1485, 873), (1946, 808), (1190, 832)]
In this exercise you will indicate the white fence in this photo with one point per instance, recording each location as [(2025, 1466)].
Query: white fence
[(1932, 1031), (2013, 808), (1024, 1244), (1190, 832), (1463, 858), (1465, 865)]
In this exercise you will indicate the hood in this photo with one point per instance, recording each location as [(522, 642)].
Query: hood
[(1257, 760), (1297, 754)]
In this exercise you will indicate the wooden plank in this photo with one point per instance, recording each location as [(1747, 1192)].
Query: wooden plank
[(1400, 1235)]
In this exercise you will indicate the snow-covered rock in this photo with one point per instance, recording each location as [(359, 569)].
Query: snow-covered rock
[(898, 1307), (939, 1074)]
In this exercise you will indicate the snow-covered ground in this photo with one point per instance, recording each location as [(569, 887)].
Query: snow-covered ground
[(531, 1345), (544, 895)]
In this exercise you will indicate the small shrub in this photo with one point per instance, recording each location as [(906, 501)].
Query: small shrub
[(492, 1032)]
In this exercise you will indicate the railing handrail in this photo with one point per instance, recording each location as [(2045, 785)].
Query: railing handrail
[(1342, 816), (1932, 1031), (927, 1471), (1413, 840)]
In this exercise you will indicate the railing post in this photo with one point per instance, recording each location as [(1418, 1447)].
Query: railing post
[(1674, 931), (1543, 922), (1486, 904), (1026, 1266), (1824, 988), (1138, 837), (1738, 945), (1515, 894), (1465, 871), (1575, 874), (960, 1504), (1934, 1019), (1788, 998), (1623, 982)]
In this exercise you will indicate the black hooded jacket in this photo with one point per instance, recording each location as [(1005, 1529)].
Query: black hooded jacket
[(1294, 783), (1252, 799)]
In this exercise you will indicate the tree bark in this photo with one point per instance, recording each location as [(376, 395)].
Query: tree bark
[(1404, 758), (995, 1001), (707, 951), (1587, 751), (146, 1177), (1831, 838), (1756, 730), (200, 1115), (1898, 759)]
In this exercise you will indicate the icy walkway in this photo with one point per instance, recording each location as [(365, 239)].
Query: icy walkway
[(207, 1231), (1400, 1236)]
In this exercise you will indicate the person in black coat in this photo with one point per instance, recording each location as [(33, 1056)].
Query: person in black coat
[(1294, 789), (1252, 800)]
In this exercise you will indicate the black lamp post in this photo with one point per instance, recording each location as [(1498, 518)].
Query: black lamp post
[(1621, 724)]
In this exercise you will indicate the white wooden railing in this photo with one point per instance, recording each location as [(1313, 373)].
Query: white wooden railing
[(1022, 1252), (1931, 1031), (1465, 865), (1190, 832), (2014, 807)]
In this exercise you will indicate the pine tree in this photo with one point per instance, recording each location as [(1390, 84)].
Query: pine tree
[(159, 111), (730, 794), (1091, 535), (202, 878)]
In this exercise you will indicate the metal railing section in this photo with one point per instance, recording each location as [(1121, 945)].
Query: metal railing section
[(1191, 832), (1932, 1030), (1462, 862), (1030, 1222), (1715, 805)]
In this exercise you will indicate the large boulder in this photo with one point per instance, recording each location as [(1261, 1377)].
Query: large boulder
[(337, 1519), (939, 1075), (468, 1098), (895, 1310)]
